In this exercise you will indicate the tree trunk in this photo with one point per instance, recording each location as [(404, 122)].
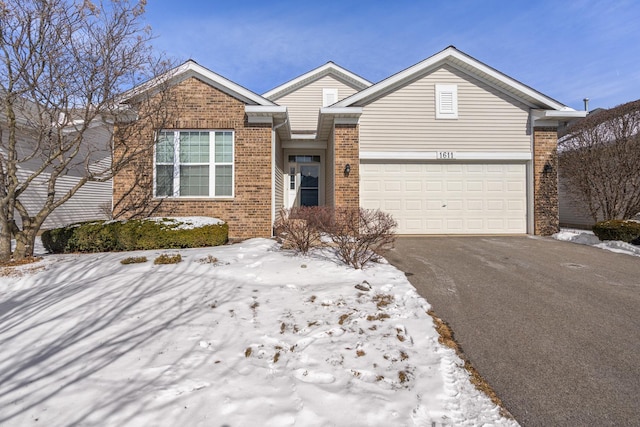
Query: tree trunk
[(25, 240), (5, 242)]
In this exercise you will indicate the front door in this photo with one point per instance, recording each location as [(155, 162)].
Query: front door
[(304, 182), (309, 184)]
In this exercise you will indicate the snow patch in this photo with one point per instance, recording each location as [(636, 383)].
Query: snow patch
[(586, 237)]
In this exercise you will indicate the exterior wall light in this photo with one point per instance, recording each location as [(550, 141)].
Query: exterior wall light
[(347, 169)]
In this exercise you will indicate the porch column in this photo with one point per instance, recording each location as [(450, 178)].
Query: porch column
[(346, 186), (545, 181)]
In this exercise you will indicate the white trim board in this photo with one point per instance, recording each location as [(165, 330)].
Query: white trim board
[(433, 155)]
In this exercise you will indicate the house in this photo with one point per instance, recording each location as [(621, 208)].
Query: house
[(90, 202), (598, 162), (448, 146)]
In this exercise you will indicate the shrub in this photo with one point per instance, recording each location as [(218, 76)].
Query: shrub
[(168, 259), (362, 235), (617, 229), (134, 260), (55, 240), (101, 236), (300, 228)]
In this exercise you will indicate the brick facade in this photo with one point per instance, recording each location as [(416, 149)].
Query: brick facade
[(347, 188), (545, 181), (201, 106)]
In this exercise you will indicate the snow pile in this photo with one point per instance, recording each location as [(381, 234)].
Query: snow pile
[(187, 222), (585, 237), (236, 335)]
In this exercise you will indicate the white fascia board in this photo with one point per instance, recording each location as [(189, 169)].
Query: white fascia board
[(394, 80), (434, 61), (303, 136), (558, 115), (315, 74), (224, 83), (342, 111), (433, 155), (503, 78), (271, 110), (265, 113), (193, 69)]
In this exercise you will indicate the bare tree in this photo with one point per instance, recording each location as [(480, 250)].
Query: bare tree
[(599, 160), (63, 66)]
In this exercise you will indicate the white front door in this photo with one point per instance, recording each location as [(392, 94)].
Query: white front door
[(304, 181)]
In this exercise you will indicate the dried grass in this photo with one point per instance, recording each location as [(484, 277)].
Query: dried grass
[(447, 339)]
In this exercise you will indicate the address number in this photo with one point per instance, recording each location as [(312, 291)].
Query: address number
[(446, 155)]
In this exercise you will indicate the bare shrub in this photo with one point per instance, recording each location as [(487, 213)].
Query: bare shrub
[(362, 235), (600, 161), (300, 228)]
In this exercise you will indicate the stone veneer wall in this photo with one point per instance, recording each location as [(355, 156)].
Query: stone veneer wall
[(545, 181), (201, 106)]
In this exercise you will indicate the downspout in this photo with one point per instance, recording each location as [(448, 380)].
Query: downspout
[(274, 143)]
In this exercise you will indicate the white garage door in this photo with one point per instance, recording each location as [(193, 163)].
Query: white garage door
[(448, 198)]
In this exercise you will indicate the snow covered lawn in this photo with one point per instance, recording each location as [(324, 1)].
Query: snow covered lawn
[(241, 335)]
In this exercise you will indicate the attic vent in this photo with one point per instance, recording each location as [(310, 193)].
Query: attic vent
[(329, 97), (446, 101)]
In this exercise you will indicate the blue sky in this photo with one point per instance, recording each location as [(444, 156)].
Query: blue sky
[(565, 49)]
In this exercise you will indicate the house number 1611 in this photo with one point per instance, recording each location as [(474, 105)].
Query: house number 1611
[(446, 155)]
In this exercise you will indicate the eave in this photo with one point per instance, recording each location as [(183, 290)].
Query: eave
[(465, 63)]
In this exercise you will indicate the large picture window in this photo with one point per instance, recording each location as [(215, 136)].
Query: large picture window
[(194, 164)]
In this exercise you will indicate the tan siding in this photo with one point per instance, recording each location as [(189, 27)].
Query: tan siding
[(304, 103), (279, 177), (404, 120), (330, 171), (572, 213)]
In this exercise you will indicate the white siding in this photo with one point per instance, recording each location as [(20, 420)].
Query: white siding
[(304, 103), (405, 120), (92, 201)]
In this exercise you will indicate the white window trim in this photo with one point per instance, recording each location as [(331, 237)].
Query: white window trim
[(327, 92), (443, 90), (212, 165)]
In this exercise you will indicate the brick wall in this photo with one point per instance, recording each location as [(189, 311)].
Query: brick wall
[(346, 188), (200, 106), (545, 181)]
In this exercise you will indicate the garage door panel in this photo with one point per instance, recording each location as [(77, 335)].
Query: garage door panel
[(475, 205), (411, 185), (448, 198)]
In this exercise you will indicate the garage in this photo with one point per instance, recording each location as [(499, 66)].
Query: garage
[(448, 198)]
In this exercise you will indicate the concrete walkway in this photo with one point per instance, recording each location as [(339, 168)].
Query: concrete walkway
[(553, 326)]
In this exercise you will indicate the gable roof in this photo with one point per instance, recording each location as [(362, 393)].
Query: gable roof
[(465, 63), (328, 69), (193, 69)]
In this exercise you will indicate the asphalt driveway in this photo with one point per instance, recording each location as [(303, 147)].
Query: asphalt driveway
[(553, 326)]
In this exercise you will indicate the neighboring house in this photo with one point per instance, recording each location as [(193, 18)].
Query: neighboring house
[(448, 146), (574, 210), (90, 202)]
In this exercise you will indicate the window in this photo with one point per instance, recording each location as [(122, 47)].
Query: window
[(446, 101), (329, 97), (304, 159), (194, 164)]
